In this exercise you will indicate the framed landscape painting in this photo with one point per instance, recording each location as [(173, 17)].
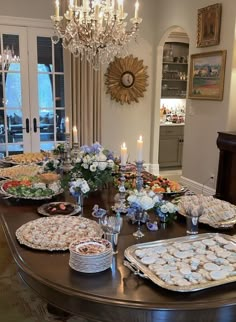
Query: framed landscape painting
[(208, 27), (207, 72)]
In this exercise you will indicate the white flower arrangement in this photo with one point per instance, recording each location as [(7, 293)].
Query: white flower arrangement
[(168, 207), (78, 185), (95, 164), (143, 200)]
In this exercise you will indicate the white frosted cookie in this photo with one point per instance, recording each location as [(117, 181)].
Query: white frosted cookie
[(211, 267), (148, 260), (218, 275)]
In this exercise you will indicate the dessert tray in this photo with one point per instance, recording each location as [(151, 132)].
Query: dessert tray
[(216, 213), (185, 264), (59, 208), (56, 233), (90, 255), (26, 158), (19, 170)]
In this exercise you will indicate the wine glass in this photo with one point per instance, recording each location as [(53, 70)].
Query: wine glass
[(139, 216)]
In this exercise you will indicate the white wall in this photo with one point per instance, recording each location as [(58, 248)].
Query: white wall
[(126, 122), (204, 118)]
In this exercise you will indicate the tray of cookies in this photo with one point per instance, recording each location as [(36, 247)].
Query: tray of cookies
[(186, 264)]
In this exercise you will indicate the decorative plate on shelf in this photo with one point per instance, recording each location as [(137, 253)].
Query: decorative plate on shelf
[(59, 208), (57, 232)]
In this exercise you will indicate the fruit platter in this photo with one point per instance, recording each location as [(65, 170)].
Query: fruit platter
[(30, 188), (59, 208), (165, 186)]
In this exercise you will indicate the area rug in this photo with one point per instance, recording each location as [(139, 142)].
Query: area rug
[(17, 302)]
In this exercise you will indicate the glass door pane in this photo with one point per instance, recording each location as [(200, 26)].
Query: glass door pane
[(48, 79), (14, 107)]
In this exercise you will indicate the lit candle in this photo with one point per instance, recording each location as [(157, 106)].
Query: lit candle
[(123, 154), (67, 125), (96, 11), (121, 8), (57, 8), (85, 5), (75, 134), (136, 10), (140, 149), (71, 8)]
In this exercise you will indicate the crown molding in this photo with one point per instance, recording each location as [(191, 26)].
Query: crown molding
[(25, 22)]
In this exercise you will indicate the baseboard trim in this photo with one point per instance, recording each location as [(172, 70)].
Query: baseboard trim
[(196, 187), (152, 168)]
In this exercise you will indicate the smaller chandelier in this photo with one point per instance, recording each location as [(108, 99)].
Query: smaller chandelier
[(96, 29), (8, 56)]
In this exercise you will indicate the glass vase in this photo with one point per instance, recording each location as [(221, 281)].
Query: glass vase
[(139, 217), (80, 201)]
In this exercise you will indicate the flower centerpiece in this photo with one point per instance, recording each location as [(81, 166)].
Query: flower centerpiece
[(141, 202), (94, 164), (165, 210), (78, 187)]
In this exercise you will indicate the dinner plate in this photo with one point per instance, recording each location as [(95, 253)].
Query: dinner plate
[(43, 209)]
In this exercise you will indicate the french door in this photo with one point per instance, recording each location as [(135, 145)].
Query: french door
[(32, 105)]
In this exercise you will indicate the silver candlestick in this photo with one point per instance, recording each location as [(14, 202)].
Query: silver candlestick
[(75, 151), (67, 163), (120, 204), (139, 179)]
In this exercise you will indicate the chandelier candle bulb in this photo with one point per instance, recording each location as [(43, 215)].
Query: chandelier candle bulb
[(67, 125), (57, 8), (123, 154), (136, 10), (140, 149), (75, 134)]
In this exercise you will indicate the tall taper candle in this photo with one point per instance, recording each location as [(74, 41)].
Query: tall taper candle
[(136, 10), (123, 154), (140, 149), (67, 125), (75, 134), (57, 8)]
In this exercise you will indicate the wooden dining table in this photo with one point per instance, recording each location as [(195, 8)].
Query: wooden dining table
[(116, 294)]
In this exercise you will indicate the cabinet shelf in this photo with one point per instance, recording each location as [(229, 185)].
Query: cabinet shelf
[(173, 63), (173, 80)]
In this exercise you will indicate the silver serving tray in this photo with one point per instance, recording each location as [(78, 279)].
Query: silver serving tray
[(42, 209), (142, 270), (226, 224)]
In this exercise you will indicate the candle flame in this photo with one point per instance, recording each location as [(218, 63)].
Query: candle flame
[(123, 145), (57, 3), (137, 5), (140, 138), (74, 128)]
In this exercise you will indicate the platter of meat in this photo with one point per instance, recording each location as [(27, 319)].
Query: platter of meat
[(59, 208)]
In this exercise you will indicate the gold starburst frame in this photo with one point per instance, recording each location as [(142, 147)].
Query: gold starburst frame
[(126, 79)]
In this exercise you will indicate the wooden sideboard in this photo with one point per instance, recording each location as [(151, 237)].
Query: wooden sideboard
[(226, 179)]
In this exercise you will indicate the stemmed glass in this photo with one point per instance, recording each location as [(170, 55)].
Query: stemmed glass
[(139, 216)]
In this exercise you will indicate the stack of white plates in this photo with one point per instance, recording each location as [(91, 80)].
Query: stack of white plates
[(90, 255)]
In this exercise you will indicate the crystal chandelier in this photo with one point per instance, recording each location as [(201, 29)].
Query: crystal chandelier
[(8, 56), (95, 29)]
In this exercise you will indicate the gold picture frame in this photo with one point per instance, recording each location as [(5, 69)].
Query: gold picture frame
[(126, 79), (207, 71), (208, 26)]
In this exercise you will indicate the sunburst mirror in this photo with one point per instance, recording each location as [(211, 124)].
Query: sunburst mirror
[(126, 79)]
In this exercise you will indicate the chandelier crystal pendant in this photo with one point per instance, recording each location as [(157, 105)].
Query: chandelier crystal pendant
[(95, 30)]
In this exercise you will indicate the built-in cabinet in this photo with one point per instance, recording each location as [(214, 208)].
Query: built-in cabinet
[(171, 145), (175, 70)]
